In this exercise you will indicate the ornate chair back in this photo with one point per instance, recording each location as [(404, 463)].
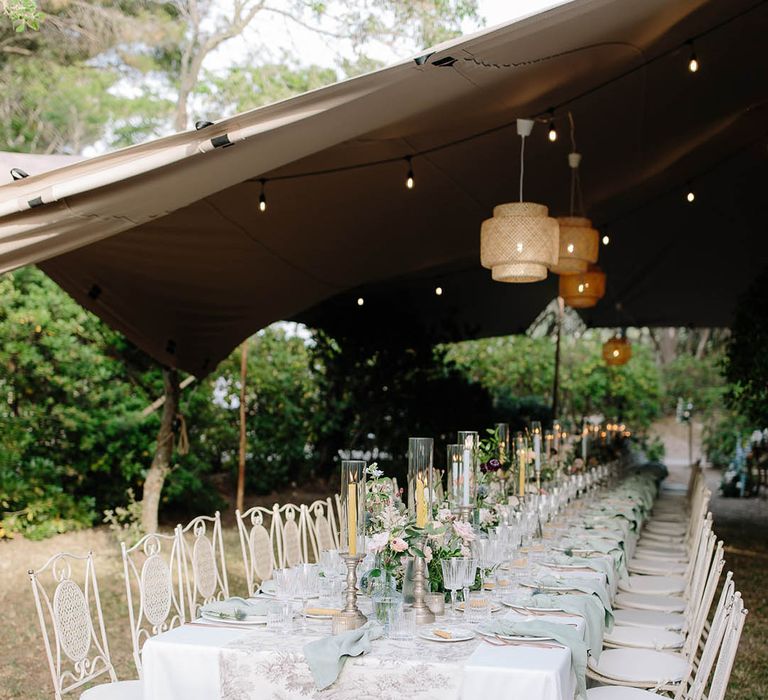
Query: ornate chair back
[(259, 555), (205, 569), (152, 569), (71, 621), (318, 532), (286, 534)]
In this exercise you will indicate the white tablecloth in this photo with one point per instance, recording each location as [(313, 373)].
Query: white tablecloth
[(196, 662)]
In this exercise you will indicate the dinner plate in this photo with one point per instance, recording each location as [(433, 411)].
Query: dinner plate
[(516, 638), (254, 620), (495, 607), (457, 634)]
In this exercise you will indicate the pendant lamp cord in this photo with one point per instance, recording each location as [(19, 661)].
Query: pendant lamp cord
[(522, 164)]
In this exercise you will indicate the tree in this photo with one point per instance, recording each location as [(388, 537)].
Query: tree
[(746, 365)]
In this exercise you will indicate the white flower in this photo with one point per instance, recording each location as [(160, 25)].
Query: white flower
[(378, 542), (444, 515), (427, 554), (464, 530)]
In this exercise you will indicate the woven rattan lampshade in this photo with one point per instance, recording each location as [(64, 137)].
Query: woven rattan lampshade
[(583, 290), (617, 351), (519, 243), (579, 245)]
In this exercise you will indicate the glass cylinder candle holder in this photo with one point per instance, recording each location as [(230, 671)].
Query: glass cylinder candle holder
[(352, 508), (455, 453), (420, 480), (502, 436), (549, 442), (521, 458), (470, 444)]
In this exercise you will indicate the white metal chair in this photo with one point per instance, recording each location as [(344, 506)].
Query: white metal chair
[(316, 528), (76, 649), (259, 555), (661, 670), (205, 570), (286, 534), (152, 567)]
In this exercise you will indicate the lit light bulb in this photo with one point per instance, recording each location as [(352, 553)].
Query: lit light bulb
[(439, 291), (693, 63), (606, 240), (519, 247), (360, 301), (615, 353), (552, 133), (690, 196), (262, 197), (570, 247), (409, 181), (581, 289)]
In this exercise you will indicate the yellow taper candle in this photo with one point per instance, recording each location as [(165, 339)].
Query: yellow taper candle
[(352, 518), (421, 504), (522, 459)]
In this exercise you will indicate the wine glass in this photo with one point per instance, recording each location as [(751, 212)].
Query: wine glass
[(469, 572), (453, 577), (307, 585)]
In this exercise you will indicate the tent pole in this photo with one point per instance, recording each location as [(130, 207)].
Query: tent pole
[(241, 460), (556, 382)]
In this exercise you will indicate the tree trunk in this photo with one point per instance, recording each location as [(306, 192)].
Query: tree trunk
[(668, 345), (702, 346), (241, 457), (161, 462)]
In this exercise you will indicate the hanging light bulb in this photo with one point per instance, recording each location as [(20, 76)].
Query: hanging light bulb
[(360, 301), (409, 181), (693, 62), (606, 239), (552, 133), (520, 241), (262, 197), (439, 291), (690, 196)]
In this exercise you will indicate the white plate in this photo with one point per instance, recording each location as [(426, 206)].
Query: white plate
[(457, 635), (514, 638), (255, 620), (269, 588), (531, 610), (495, 607)]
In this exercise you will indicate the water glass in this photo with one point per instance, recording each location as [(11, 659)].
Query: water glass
[(453, 576), (478, 608), (401, 623), (279, 615)]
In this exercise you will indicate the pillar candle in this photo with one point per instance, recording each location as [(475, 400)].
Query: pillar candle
[(421, 504)]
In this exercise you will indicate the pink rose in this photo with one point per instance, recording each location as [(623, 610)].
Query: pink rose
[(464, 530), (398, 544), (427, 554)]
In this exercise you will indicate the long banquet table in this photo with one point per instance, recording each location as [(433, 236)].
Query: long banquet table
[(200, 661)]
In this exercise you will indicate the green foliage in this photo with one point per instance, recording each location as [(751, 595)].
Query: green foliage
[(520, 366), (697, 379), (746, 366), (125, 521), (22, 13)]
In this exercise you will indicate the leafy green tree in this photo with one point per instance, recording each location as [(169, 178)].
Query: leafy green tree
[(746, 365)]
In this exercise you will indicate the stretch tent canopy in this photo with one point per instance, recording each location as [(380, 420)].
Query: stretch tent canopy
[(165, 240)]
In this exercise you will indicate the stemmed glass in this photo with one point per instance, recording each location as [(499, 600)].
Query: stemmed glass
[(453, 577), (307, 585), (469, 571), (285, 591)]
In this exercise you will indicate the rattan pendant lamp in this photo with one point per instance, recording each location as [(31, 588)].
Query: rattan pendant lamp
[(520, 242), (617, 351), (579, 242), (583, 290)]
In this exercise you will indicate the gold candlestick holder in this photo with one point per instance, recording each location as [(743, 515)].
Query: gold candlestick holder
[(424, 615), (350, 617)]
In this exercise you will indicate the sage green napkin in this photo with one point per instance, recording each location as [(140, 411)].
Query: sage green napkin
[(235, 608), (326, 657), (564, 634), (598, 564), (597, 619), (578, 584)]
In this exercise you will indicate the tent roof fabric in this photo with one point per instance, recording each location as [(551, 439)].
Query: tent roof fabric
[(165, 241)]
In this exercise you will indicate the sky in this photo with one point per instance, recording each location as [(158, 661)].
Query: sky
[(308, 47)]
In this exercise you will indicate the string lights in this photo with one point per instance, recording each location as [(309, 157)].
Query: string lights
[(409, 181), (690, 197), (606, 239), (438, 291), (552, 131), (360, 301), (262, 197), (693, 61)]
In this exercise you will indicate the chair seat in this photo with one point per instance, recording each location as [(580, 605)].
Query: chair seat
[(661, 538), (645, 601), (664, 528), (660, 568), (669, 516), (643, 638), (122, 690), (641, 666), (618, 692), (657, 585), (649, 618), (663, 548), (648, 552)]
